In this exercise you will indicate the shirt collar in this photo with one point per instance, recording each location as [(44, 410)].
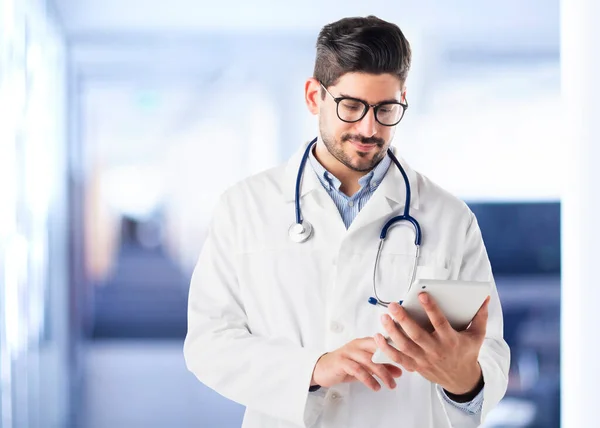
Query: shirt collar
[(328, 180), (390, 187)]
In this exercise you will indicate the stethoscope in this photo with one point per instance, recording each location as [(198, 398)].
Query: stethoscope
[(302, 230)]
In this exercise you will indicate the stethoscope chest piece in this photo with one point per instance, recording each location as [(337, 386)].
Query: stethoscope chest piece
[(300, 232)]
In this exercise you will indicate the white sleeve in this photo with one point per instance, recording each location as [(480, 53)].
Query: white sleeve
[(494, 356), (268, 375)]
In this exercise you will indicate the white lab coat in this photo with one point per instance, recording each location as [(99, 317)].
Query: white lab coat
[(263, 309)]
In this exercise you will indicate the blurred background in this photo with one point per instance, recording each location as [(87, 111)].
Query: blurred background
[(115, 116)]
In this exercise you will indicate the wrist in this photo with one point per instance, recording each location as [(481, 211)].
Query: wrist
[(313, 381), (473, 385)]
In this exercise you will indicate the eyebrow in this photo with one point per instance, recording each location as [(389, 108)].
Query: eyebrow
[(391, 100)]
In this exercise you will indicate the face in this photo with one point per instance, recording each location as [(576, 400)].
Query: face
[(361, 145)]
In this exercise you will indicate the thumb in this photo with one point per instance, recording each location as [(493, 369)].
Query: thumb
[(479, 324)]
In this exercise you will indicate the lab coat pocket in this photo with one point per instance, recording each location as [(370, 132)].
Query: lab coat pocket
[(395, 272), (432, 272)]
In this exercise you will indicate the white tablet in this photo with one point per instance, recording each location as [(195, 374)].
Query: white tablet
[(459, 301)]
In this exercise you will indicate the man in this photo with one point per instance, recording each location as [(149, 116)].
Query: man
[(284, 328)]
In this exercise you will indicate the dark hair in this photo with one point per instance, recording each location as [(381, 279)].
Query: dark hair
[(367, 45)]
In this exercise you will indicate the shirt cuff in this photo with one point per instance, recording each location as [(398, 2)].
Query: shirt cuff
[(472, 407)]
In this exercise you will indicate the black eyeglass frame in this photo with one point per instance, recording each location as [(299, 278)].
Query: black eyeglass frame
[(368, 106)]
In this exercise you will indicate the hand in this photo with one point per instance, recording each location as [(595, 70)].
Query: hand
[(445, 356), (351, 363)]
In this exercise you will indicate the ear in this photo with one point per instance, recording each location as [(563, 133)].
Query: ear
[(312, 95), (403, 96)]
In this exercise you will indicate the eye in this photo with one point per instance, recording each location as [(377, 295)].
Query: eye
[(388, 108), (351, 105)]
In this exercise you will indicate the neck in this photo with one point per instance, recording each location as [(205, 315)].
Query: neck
[(347, 176)]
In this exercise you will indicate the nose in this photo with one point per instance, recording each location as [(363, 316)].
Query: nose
[(367, 126)]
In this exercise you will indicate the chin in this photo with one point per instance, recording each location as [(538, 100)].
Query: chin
[(362, 164)]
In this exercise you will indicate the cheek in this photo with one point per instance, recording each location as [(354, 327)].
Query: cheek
[(390, 132), (327, 121), (338, 129), (387, 134)]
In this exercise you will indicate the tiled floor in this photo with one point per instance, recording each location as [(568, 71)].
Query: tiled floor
[(131, 384)]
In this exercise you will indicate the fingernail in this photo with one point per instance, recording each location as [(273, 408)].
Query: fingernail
[(394, 308), (424, 298), (385, 319)]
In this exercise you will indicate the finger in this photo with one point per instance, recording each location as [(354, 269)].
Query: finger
[(377, 369), (415, 339), (479, 324), (395, 355), (366, 344), (395, 371), (436, 316), (361, 374)]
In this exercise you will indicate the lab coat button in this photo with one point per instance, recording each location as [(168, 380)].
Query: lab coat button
[(336, 327)]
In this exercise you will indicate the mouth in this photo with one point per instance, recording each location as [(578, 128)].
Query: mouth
[(363, 147)]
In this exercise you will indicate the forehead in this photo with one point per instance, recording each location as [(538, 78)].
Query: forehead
[(372, 88)]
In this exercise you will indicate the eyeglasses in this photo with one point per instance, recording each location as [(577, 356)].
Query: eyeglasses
[(352, 110)]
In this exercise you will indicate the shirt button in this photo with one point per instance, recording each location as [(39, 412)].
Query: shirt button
[(335, 396), (336, 327), (350, 203)]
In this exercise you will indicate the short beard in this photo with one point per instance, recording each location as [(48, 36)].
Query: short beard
[(335, 148)]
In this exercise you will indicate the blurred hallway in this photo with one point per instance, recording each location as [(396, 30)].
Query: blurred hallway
[(146, 297)]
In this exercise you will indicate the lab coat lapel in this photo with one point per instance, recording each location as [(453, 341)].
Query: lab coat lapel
[(309, 183), (314, 199)]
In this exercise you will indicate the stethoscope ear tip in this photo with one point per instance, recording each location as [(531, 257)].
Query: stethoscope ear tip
[(373, 301)]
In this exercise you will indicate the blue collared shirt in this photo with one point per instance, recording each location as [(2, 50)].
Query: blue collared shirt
[(349, 207)]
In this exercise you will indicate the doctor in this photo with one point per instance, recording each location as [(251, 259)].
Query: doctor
[(279, 318)]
